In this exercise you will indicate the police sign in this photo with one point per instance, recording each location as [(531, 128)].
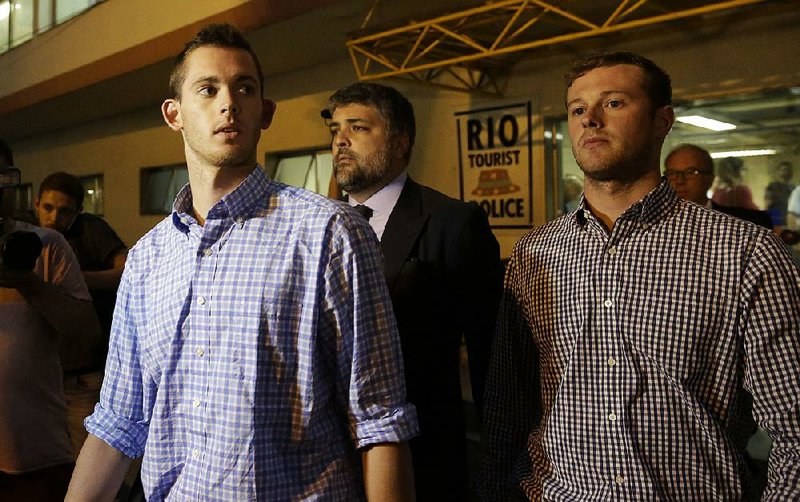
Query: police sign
[(495, 162)]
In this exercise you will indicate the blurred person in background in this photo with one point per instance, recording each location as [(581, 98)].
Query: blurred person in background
[(690, 171), (44, 304), (729, 190), (777, 193)]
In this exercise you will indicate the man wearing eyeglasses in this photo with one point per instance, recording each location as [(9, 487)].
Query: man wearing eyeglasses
[(690, 171)]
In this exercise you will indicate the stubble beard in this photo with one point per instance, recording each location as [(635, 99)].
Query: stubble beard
[(226, 156), (615, 166), (361, 172)]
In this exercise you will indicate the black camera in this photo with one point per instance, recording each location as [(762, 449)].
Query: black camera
[(18, 250)]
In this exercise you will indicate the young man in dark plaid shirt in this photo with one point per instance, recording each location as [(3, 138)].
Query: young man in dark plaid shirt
[(640, 335)]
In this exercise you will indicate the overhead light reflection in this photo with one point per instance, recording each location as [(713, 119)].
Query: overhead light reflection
[(706, 123), (743, 153)]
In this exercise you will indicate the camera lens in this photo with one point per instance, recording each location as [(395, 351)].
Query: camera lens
[(20, 250)]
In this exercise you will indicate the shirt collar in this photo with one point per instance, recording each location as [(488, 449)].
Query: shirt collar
[(237, 204), (383, 201), (649, 210)]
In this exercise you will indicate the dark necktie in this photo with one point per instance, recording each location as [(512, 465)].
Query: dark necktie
[(364, 211)]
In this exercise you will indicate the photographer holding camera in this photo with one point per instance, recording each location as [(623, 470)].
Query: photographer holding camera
[(44, 302)]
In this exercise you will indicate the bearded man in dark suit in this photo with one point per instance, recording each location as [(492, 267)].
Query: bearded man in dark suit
[(442, 266)]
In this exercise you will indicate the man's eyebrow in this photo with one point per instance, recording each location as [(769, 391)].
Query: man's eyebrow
[(206, 79), (603, 94), (348, 121), (246, 77), (213, 79)]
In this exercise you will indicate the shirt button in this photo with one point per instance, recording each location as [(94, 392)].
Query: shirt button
[(207, 252), (619, 479), (239, 220), (201, 300), (200, 352), (607, 303), (612, 361), (612, 416), (196, 403), (184, 221), (195, 453), (612, 251)]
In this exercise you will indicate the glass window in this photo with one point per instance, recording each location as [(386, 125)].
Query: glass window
[(753, 142), (65, 9), (93, 194), (44, 15), (5, 15), (158, 187), (21, 21), (310, 170), (568, 176)]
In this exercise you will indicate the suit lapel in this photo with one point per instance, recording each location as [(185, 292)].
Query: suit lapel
[(402, 231)]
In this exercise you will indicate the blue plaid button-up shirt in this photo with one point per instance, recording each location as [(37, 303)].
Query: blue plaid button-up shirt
[(251, 357)]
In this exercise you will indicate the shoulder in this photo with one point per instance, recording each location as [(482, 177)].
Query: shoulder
[(311, 217), (755, 216), (443, 206), (90, 220), (49, 237), (714, 229), (160, 237)]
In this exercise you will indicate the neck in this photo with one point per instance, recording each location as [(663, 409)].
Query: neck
[(609, 199), (210, 184), (363, 195)]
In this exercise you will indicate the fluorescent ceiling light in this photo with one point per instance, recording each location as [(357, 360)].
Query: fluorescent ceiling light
[(5, 9), (706, 123), (743, 153)]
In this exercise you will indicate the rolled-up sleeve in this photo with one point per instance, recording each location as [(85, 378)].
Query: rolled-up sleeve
[(369, 358), (118, 418)]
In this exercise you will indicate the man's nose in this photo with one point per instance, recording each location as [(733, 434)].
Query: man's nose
[(229, 103), (592, 117), (341, 139)]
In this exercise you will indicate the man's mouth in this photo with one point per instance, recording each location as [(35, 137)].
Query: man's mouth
[(227, 129), (593, 141), (344, 157)]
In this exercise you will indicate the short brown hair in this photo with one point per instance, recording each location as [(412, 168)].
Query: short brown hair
[(65, 183), (213, 35), (658, 85)]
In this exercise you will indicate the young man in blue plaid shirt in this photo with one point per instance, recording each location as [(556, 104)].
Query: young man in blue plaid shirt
[(254, 354)]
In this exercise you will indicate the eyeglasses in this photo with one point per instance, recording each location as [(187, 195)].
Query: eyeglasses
[(687, 174)]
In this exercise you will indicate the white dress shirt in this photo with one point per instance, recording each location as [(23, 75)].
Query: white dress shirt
[(382, 203)]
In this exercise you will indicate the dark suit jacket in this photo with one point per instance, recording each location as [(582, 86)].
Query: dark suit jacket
[(443, 270), (761, 218)]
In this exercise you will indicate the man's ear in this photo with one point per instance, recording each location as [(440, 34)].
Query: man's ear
[(401, 145), (665, 117), (35, 203), (267, 113), (171, 111)]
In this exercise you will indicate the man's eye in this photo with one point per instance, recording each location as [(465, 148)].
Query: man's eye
[(334, 132), (359, 128), (577, 112), (614, 103), (207, 91), (246, 89)]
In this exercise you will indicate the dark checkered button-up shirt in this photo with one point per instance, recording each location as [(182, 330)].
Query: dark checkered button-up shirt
[(625, 360)]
